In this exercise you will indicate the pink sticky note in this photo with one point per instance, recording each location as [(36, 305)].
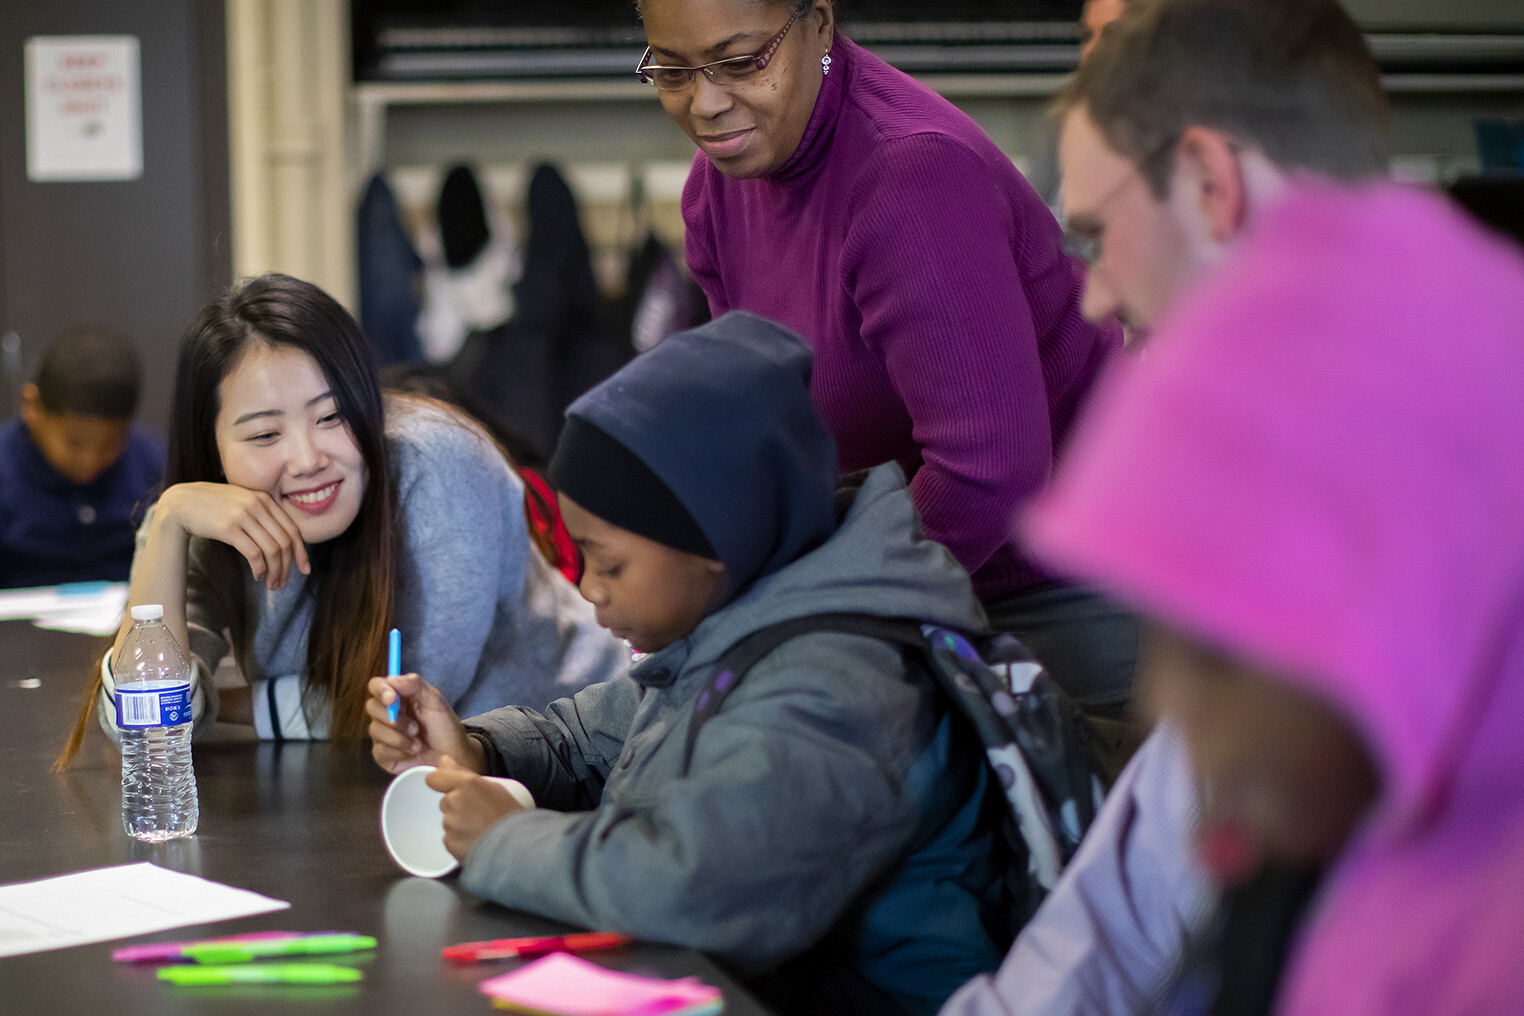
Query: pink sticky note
[(567, 984)]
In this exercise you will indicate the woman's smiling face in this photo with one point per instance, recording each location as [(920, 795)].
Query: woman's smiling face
[(750, 128), (279, 430)]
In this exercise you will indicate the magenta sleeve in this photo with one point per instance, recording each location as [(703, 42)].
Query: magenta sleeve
[(943, 300)]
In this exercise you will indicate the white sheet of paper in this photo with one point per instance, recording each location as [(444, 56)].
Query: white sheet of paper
[(95, 618), (107, 903), (94, 608)]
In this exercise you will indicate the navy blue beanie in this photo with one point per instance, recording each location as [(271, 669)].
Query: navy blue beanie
[(721, 416)]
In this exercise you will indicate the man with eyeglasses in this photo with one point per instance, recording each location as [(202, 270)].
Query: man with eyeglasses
[(1186, 122), (1188, 119)]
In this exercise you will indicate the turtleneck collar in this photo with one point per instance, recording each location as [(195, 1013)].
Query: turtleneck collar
[(822, 126)]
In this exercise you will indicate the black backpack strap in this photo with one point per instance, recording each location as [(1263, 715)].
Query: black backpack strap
[(735, 662)]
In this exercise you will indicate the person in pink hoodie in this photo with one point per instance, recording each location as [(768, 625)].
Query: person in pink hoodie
[(1313, 489)]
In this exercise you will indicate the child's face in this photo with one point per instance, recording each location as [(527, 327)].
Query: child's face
[(1283, 776), (279, 431), (644, 592), (78, 447)]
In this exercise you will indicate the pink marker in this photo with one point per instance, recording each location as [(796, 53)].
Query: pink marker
[(173, 952)]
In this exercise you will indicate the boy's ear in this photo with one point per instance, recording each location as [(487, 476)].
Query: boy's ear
[(721, 583), (31, 406)]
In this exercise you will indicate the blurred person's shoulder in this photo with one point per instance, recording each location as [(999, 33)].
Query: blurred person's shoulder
[(897, 108)]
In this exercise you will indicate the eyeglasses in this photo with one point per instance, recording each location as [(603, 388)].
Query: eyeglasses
[(1083, 241), (730, 71)]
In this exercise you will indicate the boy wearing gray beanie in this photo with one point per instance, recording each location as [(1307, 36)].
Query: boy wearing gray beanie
[(824, 832)]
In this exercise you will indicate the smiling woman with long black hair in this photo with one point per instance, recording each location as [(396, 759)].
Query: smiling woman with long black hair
[(304, 514)]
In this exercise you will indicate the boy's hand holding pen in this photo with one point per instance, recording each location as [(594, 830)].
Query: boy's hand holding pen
[(412, 724)]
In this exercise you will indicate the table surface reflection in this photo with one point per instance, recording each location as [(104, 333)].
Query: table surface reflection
[(295, 821)]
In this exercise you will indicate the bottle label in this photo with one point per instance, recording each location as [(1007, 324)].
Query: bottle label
[(153, 704)]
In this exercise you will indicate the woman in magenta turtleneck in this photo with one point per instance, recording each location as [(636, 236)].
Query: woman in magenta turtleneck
[(844, 199)]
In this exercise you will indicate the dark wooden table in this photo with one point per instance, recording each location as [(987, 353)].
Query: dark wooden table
[(297, 822)]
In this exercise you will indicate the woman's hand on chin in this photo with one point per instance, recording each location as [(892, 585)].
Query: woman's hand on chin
[(249, 521)]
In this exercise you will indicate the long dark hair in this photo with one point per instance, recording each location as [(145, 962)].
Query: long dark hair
[(353, 578), (353, 575)]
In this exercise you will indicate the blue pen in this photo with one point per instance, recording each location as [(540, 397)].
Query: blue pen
[(394, 669)]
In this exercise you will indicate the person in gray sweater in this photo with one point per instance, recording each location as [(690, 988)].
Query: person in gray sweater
[(333, 514), (823, 831)]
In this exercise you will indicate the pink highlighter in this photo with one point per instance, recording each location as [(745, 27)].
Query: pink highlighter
[(172, 952)]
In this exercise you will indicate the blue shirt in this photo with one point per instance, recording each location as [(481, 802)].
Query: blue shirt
[(53, 530)]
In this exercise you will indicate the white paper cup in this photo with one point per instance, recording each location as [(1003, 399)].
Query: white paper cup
[(412, 825)]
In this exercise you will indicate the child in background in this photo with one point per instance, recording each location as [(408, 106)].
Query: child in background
[(304, 515), (1313, 488), (75, 474), (828, 829)]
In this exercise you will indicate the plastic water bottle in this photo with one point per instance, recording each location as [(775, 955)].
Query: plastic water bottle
[(153, 710)]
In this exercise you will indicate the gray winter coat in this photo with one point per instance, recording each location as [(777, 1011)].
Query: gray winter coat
[(824, 773)]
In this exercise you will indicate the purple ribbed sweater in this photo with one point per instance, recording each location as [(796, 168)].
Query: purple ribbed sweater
[(928, 277)]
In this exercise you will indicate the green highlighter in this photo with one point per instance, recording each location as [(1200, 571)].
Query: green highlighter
[(250, 950), (261, 973)]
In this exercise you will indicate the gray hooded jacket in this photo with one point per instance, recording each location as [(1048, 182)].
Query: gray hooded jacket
[(819, 791)]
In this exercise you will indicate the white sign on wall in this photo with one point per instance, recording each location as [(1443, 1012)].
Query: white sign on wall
[(84, 108)]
